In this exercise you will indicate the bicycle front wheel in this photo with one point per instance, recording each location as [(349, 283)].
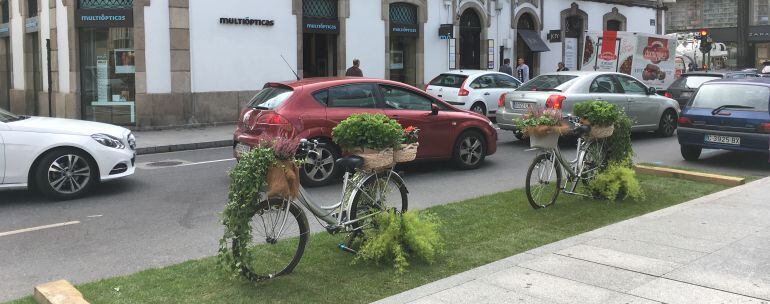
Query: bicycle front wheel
[(543, 181), (380, 192), (279, 233)]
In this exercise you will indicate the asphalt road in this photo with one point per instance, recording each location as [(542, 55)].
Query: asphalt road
[(166, 215)]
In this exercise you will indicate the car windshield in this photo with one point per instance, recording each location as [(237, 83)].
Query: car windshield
[(270, 97), (448, 80), (546, 83), (743, 95), (6, 116), (692, 82)]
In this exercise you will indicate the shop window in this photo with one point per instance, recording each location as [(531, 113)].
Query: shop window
[(760, 12), (105, 3), (324, 9), (107, 75)]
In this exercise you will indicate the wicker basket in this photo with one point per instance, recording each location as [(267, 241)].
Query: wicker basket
[(544, 141), (601, 132), (407, 153), (376, 160)]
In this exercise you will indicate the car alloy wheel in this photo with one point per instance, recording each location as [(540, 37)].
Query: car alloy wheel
[(319, 167), (471, 151), (667, 124), (69, 174), (479, 108)]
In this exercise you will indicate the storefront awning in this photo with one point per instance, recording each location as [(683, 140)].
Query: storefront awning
[(533, 40)]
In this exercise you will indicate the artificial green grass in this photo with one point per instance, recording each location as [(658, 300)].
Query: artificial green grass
[(477, 231)]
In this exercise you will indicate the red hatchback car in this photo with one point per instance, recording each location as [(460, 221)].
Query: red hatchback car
[(311, 107)]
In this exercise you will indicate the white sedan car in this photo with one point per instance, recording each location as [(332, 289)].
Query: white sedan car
[(475, 90), (62, 158)]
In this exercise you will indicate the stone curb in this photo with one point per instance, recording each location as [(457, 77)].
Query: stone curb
[(690, 175), (58, 292), (184, 147)]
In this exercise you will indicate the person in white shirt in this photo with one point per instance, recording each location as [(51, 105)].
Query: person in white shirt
[(766, 68)]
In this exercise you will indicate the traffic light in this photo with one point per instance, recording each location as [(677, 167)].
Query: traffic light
[(705, 41)]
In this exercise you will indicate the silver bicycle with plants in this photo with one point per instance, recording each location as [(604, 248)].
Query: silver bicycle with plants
[(545, 174), (280, 228)]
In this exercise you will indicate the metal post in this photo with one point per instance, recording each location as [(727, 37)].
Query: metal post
[(50, 80)]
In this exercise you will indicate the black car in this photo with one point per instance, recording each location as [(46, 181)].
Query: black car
[(685, 86)]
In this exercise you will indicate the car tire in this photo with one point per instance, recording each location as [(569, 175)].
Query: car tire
[(321, 171), (667, 124), (65, 174), (690, 153), (469, 150), (479, 107)]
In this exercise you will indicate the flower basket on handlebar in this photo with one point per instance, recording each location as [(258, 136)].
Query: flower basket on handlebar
[(543, 127), (600, 115), (547, 140)]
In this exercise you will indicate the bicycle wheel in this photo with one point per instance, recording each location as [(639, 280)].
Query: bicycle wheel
[(379, 192), (594, 160), (277, 240), (543, 181)]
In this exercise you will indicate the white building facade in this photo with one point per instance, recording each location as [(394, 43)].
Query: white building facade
[(162, 63)]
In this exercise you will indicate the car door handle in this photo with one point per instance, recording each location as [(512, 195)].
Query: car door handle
[(599, 98), (487, 93)]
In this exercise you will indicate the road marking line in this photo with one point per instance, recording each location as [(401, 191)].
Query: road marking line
[(204, 162), (93, 216), (37, 228)]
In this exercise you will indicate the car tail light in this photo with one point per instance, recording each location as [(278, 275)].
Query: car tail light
[(272, 124), (272, 118), (463, 92), (555, 102), (684, 121), (764, 127), (667, 94), (501, 100)]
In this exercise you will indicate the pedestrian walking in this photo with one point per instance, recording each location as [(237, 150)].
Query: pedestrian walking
[(522, 70), (506, 67), (355, 71), (561, 67), (766, 67)]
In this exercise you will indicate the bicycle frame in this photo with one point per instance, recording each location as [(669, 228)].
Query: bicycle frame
[(574, 168)]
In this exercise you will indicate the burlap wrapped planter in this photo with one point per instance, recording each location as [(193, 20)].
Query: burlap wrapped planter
[(598, 132), (376, 160), (406, 153), (283, 180)]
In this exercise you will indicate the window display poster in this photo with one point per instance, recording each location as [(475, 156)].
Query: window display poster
[(124, 61), (491, 54), (397, 60), (570, 53), (452, 54), (102, 79)]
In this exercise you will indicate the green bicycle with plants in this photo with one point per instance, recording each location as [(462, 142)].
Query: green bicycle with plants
[(266, 228), (603, 138)]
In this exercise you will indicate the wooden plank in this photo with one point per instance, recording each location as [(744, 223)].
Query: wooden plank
[(690, 175)]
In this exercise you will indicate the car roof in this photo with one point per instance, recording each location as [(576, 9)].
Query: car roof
[(713, 74), (330, 81), (470, 72), (758, 80), (582, 73)]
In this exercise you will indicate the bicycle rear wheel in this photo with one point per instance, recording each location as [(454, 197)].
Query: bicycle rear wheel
[(594, 160), (278, 239), (379, 192), (543, 181)]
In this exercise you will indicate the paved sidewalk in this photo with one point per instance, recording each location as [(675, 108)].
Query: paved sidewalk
[(148, 142), (715, 249)]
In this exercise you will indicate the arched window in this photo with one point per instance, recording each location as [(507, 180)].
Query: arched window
[(614, 20), (613, 25)]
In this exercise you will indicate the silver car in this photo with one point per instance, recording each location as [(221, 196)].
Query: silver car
[(647, 110)]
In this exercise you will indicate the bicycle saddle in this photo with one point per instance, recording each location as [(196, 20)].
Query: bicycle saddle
[(350, 163), (582, 130)]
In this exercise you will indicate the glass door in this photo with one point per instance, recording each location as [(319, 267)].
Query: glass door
[(403, 61)]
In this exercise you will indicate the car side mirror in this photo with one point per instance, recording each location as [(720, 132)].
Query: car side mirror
[(651, 91), (433, 109)]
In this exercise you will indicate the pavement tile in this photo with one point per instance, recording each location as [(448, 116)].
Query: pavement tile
[(668, 239), (559, 245), (709, 229), (673, 292), (588, 272), (619, 259), (743, 268), (427, 300), (728, 214), (550, 288), (647, 249), (471, 292), (630, 299)]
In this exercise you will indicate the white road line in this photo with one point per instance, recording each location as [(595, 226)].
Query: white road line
[(204, 162), (37, 228), (95, 215)]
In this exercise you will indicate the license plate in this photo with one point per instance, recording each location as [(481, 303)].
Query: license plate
[(727, 140), (520, 105), (686, 94), (240, 149)]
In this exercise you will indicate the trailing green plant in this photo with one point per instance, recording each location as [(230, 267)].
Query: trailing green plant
[(598, 113), (618, 146), (616, 183), (372, 131), (247, 182), (397, 238)]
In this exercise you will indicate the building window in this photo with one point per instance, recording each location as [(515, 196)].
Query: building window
[(107, 75), (403, 42), (323, 9), (760, 12), (31, 8), (613, 25), (4, 13), (105, 3)]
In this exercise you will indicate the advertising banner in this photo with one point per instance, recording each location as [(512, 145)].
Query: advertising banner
[(654, 61), (649, 58)]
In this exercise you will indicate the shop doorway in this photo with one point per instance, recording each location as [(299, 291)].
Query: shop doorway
[(522, 48), (34, 72), (403, 33), (5, 73), (470, 40), (573, 41), (319, 55)]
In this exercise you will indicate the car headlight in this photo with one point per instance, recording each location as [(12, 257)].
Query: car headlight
[(108, 140)]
